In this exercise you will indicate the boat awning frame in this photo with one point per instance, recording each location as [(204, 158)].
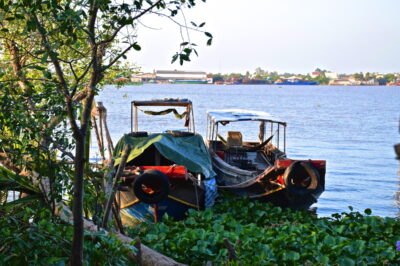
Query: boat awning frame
[(236, 115), (225, 116), (186, 103)]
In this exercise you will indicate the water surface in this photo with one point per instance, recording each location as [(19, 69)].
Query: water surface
[(352, 128)]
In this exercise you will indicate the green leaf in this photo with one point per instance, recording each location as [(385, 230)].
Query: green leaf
[(44, 58), (208, 34), (174, 57), (136, 47), (329, 240), (368, 211), (291, 255), (184, 57), (37, 67), (47, 74), (22, 201), (345, 261)]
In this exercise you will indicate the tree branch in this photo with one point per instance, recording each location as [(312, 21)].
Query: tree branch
[(112, 62), (123, 25), (59, 73)]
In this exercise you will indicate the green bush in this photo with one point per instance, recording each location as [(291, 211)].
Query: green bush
[(263, 234), (33, 237)]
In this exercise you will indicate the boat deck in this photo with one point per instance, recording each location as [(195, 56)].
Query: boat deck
[(247, 160), (252, 161)]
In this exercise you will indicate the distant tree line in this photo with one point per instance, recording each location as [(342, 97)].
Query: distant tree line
[(321, 78)]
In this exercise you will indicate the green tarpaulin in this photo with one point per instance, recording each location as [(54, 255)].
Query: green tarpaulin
[(187, 151)]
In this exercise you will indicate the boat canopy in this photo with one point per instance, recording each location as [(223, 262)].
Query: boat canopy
[(189, 151), (232, 115)]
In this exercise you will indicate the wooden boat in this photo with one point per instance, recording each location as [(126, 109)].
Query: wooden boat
[(260, 169), (166, 172)]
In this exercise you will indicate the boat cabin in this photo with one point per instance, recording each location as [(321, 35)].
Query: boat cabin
[(248, 140)]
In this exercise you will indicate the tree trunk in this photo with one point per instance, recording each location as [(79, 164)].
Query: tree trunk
[(77, 242)]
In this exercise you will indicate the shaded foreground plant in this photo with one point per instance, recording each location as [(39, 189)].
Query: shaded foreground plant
[(29, 236), (271, 235)]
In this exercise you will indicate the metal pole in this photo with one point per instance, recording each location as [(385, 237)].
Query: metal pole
[(131, 117), (272, 128), (278, 135), (136, 118), (208, 129), (191, 109), (284, 138), (212, 134)]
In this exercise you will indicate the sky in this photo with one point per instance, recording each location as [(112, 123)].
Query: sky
[(296, 36)]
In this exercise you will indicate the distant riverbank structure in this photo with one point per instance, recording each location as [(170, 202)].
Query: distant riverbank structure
[(173, 76), (321, 77)]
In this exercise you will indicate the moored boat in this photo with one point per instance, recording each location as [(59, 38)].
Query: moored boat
[(295, 82), (166, 172), (260, 169)]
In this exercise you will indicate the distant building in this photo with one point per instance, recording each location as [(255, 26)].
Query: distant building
[(315, 74), (143, 77), (331, 75), (341, 82), (210, 78), (371, 82), (176, 76), (345, 81)]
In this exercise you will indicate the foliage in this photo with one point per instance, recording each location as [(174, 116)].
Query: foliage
[(271, 235), (29, 236), (321, 79), (54, 58)]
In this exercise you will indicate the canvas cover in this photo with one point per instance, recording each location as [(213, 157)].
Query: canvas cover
[(189, 151)]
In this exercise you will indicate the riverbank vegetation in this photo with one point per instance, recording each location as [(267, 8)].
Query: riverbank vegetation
[(249, 232), (321, 76), (234, 232)]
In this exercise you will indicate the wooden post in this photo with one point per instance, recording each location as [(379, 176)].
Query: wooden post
[(118, 175), (138, 246)]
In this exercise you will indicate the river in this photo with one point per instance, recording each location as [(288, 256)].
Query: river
[(352, 128)]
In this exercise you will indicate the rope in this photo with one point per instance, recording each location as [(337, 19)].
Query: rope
[(165, 112)]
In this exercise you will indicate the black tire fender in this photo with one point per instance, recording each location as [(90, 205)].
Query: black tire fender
[(138, 134), (151, 180), (177, 133), (301, 178)]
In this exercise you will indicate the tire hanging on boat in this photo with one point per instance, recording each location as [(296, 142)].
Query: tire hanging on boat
[(151, 187), (301, 178), (138, 134), (177, 133)]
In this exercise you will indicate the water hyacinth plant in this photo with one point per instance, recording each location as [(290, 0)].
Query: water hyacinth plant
[(251, 232)]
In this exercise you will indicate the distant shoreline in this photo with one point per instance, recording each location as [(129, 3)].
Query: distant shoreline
[(246, 84)]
